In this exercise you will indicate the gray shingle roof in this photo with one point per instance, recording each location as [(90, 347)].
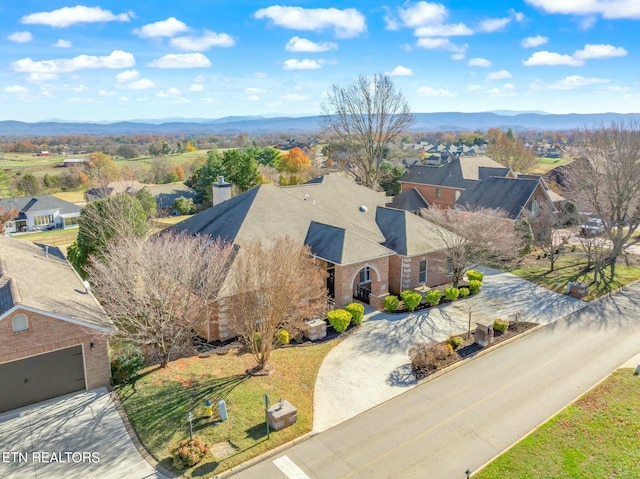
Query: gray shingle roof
[(32, 279), (459, 173), (410, 200), (38, 203), (508, 194)]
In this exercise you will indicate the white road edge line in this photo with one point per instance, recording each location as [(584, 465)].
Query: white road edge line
[(289, 468)]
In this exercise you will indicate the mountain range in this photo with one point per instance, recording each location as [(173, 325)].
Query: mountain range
[(446, 121)]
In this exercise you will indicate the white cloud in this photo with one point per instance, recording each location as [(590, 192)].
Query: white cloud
[(171, 92), (449, 30), (16, 89), (532, 42), (196, 87), (165, 28), (545, 58), (294, 97), (204, 42), (400, 71), (422, 14), (345, 23), (253, 98), (474, 87), (589, 52), (21, 37), (106, 93), (123, 99), (297, 44), (429, 91), (306, 64), (493, 24), (599, 52), (254, 91), (611, 9), (79, 88), (479, 62), (143, 84), (116, 59), (67, 16), (208, 100), (574, 82), (39, 77), (506, 90), (63, 44), (587, 23), (199, 79), (499, 75), (127, 76), (440, 43), (185, 60)]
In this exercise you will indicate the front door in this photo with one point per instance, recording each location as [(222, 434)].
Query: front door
[(362, 285)]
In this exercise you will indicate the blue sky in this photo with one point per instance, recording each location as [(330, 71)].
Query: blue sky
[(121, 60)]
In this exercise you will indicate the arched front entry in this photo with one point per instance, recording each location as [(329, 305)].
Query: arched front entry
[(362, 284)]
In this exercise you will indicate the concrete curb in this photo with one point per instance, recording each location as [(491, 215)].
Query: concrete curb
[(136, 440)]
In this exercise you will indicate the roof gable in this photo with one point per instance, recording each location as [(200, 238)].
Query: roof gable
[(508, 194), (410, 200)]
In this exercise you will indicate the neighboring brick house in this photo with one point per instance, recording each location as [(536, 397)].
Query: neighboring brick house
[(39, 213), (53, 333), (366, 248), (442, 185)]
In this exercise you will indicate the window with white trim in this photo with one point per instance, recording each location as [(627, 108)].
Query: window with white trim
[(365, 275), (422, 279), (42, 220), (20, 323)]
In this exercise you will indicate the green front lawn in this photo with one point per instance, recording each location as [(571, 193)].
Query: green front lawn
[(598, 436), (570, 267), (158, 402)]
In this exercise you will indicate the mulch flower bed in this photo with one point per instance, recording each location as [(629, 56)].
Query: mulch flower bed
[(468, 348)]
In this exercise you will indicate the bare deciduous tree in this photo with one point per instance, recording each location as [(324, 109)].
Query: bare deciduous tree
[(159, 291), (609, 182), (474, 237), (275, 286), (7, 215), (595, 248), (507, 150), (546, 236), (365, 117)]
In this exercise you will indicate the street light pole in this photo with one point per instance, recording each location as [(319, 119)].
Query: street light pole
[(469, 328), (190, 419)]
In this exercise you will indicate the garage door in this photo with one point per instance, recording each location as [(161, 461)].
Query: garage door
[(41, 377)]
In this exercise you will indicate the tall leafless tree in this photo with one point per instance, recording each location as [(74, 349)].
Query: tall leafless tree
[(7, 215), (546, 235), (274, 286), (365, 117), (474, 237), (159, 291), (608, 183), (506, 149)]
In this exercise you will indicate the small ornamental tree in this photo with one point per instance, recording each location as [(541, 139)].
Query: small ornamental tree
[(357, 312), (339, 319), (411, 299)]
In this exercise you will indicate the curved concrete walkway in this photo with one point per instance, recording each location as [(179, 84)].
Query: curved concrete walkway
[(371, 365)]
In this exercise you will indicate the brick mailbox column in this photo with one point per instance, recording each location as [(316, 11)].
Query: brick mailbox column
[(282, 414)]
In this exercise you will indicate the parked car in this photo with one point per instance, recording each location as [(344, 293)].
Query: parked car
[(592, 227)]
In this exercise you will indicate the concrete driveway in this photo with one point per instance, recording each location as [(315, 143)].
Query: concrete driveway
[(76, 436), (371, 365)]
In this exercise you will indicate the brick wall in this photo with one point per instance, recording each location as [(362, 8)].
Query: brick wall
[(404, 272), (447, 197), (345, 276), (46, 334)]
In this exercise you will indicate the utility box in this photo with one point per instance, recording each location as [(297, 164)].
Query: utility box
[(578, 290), (222, 406), (315, 329), (483, 335), (282, 414)]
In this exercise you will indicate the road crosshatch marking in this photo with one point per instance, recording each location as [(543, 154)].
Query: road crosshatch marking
[(289, 468)]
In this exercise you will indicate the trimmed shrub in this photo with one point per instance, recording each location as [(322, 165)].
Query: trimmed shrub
[(282, 337), (357, 312), (455, 341), (445, 351), (126, 363), (474, 286), (501, 325), (451, 293), (411, 299), (391, 303), (424, 356), (339, 319), (433, 297), (188, 453), (464, 292), (472, 274)]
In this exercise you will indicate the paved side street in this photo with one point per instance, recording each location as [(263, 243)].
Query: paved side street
[(74, 437), (463, 420), (372, 366)]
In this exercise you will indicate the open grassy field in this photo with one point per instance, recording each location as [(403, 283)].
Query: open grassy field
[(546, 164), (158, 402), (570, 267), (76, 197), (598, 436), (60, 238), (23, 163)]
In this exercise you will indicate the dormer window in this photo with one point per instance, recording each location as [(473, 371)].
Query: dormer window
[(20, 323)]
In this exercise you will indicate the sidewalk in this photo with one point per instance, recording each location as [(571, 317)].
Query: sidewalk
[(371, 365)]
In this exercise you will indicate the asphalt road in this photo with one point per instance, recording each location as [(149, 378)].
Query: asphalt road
[(465, 418)]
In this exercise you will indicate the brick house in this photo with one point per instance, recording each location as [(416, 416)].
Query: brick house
[(53, 333), (367, 249)]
